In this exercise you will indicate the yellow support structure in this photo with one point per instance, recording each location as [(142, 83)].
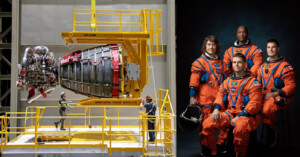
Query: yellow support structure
[(103, 136), (93, 14), (146, 23), (110, 101), (108, 27), (131, 51)]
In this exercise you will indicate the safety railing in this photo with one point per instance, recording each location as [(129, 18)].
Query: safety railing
[(122, 21), (165, 118), (35, 121)]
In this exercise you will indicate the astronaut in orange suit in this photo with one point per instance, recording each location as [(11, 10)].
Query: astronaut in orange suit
[(277, 77), (246, 47), (206, 76), (254, 59), (241, 97)]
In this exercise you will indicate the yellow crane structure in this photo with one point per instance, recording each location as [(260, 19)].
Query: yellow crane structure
[(132, 36)]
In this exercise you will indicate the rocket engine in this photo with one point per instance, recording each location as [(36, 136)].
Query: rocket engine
[(38, 70)]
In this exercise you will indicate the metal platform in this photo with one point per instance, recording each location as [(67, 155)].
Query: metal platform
[(55, 152), (89, 135), (121, 145)]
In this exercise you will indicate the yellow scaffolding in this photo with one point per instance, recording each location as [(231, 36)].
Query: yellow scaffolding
[(129, 28), (104, 26), (106, 133), (110, 27)]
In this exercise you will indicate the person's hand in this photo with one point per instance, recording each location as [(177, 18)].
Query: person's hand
[(193, 102), (216, 115), (271, 94), (233, 121), (72, 107), (142, 104)]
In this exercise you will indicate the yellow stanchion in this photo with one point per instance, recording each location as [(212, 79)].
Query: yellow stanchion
[(104, 138)]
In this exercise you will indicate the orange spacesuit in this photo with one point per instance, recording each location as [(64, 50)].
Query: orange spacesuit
[(243, 97), (250, 51), (276, 76), (206, 78)]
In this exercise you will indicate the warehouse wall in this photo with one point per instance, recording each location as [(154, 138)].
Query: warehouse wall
[(43, 21)]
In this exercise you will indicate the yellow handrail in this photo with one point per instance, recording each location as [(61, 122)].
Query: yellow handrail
[(109, 20), (163, 127)]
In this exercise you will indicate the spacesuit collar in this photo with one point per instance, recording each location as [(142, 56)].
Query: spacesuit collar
[(277, 60), (241, 45), (206, 55), (232, 76)]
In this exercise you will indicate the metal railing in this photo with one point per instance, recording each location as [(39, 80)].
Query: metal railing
[(115, 21), (33, 116)]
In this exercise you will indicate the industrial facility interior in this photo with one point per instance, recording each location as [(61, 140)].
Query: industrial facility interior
[(105, 57)]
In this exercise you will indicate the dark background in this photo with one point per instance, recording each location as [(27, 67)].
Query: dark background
[(265, 20)]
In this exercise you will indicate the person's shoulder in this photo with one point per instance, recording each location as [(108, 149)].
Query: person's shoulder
[(229, 48), (199, 60), (220, 60), (253, 81), (287, 66), (262, 65), (253, 45), (281, 63), (255, 48), (147, 104), (252, 78), (227, 79), (151, 103), (285, 62)]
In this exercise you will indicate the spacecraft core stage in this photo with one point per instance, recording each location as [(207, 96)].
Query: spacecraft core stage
[(92, 72), (98, 72)]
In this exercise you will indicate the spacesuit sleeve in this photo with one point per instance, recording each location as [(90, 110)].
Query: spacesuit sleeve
[(255, 97), (257, 60), (288, 78), (259, 75), (196, 71), (219, 99), (226, 61)]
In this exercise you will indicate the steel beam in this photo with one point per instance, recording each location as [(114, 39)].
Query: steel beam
[(5, 95), (5, 14), (15, 45), (171, 62), (131, 51), (5, 77), (5, 46), (5, 32), (5, 60), (9, 1)]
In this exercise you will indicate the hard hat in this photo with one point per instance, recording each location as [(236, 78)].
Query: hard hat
[(148, 97), (190, 118), (62, 93)]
